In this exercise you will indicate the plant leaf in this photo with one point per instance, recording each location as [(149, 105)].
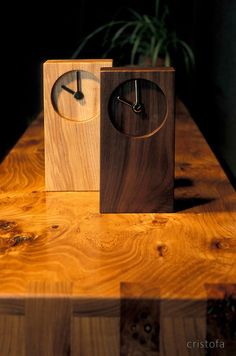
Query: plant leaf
[(137, 28), (87, 38), (134, 49), (188, 50), (167, 60), (152, 44), (156, 51), (157, 7), (136, 14), (187, 65), (121, 30), (120, 44), (150, 25), (164, 14)]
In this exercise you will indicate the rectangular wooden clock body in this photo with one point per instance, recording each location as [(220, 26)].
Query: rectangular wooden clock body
[(72, 122), (137, 143)]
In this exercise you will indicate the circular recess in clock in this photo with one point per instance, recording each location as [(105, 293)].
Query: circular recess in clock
[(138, 108), (75, 96)]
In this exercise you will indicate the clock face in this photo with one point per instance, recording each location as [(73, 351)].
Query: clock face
[(138, 108), (75, 96)]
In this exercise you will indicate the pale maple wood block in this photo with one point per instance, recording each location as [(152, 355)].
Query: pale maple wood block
[(95, 336), (48, 320), (105, 307), (72, 127), (12, 335), (182, 321), (195, 329), (177, 332), (12, 306), (187, 308)]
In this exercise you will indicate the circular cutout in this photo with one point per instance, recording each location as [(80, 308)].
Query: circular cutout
[(75, 96), (137, 108)]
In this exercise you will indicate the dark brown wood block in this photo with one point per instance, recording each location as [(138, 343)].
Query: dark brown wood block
[(221, 319), (137, 141), (139, 320)]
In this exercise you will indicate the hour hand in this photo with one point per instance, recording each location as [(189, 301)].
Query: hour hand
[(136, 107), (78, 95), (124, 101), (68, 90)]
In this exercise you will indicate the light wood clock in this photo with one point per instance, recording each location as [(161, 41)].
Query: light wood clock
[(137, 140), (72, 121)]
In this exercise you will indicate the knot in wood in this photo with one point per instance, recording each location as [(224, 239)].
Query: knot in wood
[(7, 225), (162, 250), (219, 244), (19, 239)]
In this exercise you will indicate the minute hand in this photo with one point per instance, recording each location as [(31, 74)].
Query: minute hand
[(137, 92), (78, 95), (137, 106)]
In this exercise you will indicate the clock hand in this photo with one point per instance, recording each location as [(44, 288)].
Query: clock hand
[(68, 90), (137, 91), (78, 95), (137, 106), (124, 101), (77, 80)]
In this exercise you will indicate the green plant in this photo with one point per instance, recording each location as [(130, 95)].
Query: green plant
[(146, 37)]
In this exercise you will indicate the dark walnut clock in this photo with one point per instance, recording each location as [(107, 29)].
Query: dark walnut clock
[(72, 121), (137, 140)]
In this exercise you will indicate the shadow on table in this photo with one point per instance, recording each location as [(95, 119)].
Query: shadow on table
[(181, 204), (186, 197), (133, 324)]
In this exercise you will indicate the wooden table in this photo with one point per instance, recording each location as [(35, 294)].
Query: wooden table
[(74, 282)]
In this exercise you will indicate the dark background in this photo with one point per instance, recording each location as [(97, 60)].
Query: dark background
[(33, 33)]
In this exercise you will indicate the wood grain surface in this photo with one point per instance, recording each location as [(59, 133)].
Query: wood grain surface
[(56, 247), (137, 149), (72, 136)]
